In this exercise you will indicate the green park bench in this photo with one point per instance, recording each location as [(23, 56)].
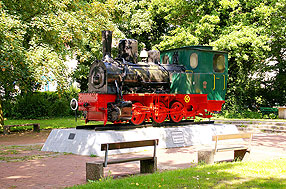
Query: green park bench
[(267, 111)]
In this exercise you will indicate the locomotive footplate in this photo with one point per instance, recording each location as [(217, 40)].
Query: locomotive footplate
[(127, 126), (140, 108)]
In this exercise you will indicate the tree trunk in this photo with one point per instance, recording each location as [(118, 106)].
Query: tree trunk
[(1, 114)]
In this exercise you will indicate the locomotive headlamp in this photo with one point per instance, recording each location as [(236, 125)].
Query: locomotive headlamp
[(97, 77), (74, 104)]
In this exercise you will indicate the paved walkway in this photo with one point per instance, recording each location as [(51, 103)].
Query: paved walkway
[(69, 170)]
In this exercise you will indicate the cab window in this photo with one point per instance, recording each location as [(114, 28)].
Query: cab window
[(219, 63), (165, 59), (194, 60)]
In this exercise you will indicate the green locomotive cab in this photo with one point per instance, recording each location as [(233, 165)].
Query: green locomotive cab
[(206, 71)]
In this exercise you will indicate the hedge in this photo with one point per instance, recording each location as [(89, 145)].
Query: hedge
[(39, 105)]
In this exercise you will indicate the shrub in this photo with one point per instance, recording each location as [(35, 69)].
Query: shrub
[(242, 114), (39, 105)]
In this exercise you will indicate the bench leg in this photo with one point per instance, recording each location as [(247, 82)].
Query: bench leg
[(206, 156), (6, 130), (241, 155), (36, 128), (148, 166), (94, 171)]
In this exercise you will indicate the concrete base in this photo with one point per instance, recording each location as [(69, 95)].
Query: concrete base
[(206, 156), (87, 142), (94, 171), (282, 112), (148, 166)]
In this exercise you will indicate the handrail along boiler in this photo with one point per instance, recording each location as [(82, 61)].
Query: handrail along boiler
[(173, 84)]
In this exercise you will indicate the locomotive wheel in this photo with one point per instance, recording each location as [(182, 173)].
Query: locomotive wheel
[(137, 116), (159, 116), (176, 107)]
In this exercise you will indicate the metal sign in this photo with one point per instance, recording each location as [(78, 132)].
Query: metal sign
[(71, 136), (178, 137)]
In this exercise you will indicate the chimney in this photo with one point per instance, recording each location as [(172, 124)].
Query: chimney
[(106, 43)]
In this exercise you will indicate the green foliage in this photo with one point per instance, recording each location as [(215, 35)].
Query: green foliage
[(178, 38), (275, 92), (138, 20), (37, 37), (13, 68), (39, 105), (247, 47), (246, 114)]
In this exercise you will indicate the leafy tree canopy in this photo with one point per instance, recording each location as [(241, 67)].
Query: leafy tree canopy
[(37, 36)]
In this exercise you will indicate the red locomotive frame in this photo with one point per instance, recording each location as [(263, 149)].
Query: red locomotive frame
[(146, 107)]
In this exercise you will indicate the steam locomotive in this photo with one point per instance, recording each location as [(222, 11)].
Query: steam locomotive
[(171, 85)]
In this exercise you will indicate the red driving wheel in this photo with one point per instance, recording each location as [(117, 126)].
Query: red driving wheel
[(159, 114), (176, 115), (137, 116)]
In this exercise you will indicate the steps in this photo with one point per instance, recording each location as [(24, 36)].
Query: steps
[(257, 126)]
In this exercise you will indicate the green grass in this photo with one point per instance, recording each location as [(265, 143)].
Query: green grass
[(48, 123), (51, 123), (263, 174)]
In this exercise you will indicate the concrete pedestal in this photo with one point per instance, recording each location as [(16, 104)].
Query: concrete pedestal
[(206, 156), (94, 171), (87, 142), (282, 112), (148, 166)]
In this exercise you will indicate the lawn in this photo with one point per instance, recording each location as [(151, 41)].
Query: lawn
[(51, 123), (262, 174)]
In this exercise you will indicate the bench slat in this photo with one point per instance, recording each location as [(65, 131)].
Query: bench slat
[(114, 161), (231, 148), (231, 136), (131, 144)]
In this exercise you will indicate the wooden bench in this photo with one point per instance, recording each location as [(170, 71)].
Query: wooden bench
[(239, 148), (148, 164), (6, 128)]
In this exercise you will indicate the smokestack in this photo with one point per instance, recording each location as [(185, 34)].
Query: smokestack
[(106, 43)]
